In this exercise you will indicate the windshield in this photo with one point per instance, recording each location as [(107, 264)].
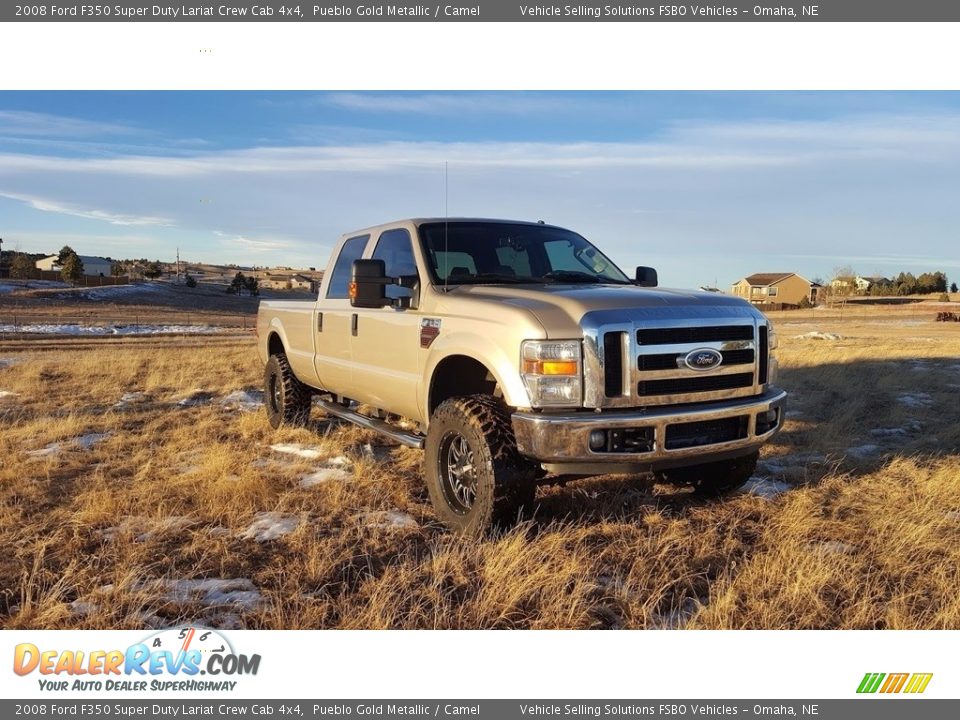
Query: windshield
[(477, 252)]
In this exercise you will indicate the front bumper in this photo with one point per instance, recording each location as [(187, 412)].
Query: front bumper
[(561, 443)]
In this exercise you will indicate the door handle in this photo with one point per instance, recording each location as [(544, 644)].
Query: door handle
[(353, 325), (319, 322)]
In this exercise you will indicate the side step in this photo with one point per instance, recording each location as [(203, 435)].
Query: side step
[(384, 428)]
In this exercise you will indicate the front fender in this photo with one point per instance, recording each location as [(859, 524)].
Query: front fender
[(503, 366)]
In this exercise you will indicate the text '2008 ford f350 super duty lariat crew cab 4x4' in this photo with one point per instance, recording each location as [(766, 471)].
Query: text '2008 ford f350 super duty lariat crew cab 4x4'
[(517, 351)]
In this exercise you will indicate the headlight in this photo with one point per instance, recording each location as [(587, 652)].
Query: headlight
[(771, 336), (551, 372)]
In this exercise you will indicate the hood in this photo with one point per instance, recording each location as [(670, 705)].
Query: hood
[(560, 308)]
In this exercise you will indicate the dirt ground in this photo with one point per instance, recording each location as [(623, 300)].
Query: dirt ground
[(140, 486)]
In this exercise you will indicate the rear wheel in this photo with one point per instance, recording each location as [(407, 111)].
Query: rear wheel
[(476, 478), (716, 478), (287, 399)]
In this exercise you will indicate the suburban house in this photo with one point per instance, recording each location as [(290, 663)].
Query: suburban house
[(857, 283), (781, 288), (865, 283), (289, 282), (92, 266)]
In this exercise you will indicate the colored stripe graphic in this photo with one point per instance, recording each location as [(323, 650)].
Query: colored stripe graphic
[(918, 682), (894, 683), (870, 682)]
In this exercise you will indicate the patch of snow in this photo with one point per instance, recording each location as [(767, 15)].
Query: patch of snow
[(32, 285), (211, 592), (324, 475), (816, 335), (389, 520), (269, 526), (77, 329), (84, 442), (131, 398), (795, 414), (910, 426), (765, 487), (49, 451), (7, 394), (305, 451), (83, 608), (246, 400), (108, 292), (197, 397), (147, 528), (7, 362), (953, 515), (915, 399), (791, 463), (90, 439), (863, 451)]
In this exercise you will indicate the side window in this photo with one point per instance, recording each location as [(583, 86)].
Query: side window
[(338, 289), (396, 251)]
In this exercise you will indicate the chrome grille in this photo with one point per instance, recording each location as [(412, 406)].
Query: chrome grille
[(642, 363)]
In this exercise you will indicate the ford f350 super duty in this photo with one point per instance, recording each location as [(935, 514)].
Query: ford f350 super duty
[(511, 352)]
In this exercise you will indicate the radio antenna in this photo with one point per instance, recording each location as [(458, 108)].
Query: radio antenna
[(446, 223)]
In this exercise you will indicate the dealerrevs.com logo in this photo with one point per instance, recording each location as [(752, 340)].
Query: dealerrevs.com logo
[(169, 660), (887, 684)]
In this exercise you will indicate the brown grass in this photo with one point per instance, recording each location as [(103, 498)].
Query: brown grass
[(93, 538)]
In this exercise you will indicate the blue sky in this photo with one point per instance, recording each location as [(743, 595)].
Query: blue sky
[(707, 187)]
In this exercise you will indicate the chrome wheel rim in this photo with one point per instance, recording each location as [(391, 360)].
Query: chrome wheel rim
[(275, 392), (458, 472)]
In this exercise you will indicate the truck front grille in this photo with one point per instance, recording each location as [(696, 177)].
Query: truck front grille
[(703, 383), (694, 334), (671, 361)]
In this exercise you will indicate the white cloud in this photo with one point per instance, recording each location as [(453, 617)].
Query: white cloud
[(22, 123), (740, 197), (454, 104), (54, 206)]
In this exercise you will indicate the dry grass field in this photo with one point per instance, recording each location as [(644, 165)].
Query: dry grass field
[(140, 485)]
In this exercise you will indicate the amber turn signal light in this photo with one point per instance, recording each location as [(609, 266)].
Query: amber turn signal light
[(550, 367)]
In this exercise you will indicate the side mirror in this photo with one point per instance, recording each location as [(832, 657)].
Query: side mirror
[(368, 284), (646, 276)]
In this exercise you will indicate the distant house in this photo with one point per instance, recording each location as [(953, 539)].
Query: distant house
[(283, 281), (302, 282), (92, 266), (865, 283), (783, 288)]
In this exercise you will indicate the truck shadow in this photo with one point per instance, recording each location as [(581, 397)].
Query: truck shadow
[(842, 417)]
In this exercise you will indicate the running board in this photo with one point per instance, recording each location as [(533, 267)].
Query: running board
[(401, 436)]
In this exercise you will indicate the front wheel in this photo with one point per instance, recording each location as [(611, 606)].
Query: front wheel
[(476, 478), (716, 478), (287, 399)]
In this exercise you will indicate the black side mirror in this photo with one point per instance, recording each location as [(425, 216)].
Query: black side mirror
[(646, 276), (368, 284)]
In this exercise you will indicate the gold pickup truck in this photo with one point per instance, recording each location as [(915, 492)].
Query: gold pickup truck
[(515, 351)]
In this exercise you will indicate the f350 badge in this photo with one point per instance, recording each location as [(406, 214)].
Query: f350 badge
[(429, 329)]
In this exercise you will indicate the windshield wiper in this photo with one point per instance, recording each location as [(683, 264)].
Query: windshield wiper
[(576, 276)]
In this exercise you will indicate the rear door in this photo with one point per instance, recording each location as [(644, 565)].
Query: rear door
[(333, 320), (386, 345)]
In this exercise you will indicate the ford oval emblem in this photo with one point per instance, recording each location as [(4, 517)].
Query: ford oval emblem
[(703, 359)]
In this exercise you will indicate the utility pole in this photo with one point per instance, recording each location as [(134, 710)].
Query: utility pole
[(178, 266)]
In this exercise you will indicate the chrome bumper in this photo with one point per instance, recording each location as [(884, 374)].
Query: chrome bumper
[(562, 442)]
